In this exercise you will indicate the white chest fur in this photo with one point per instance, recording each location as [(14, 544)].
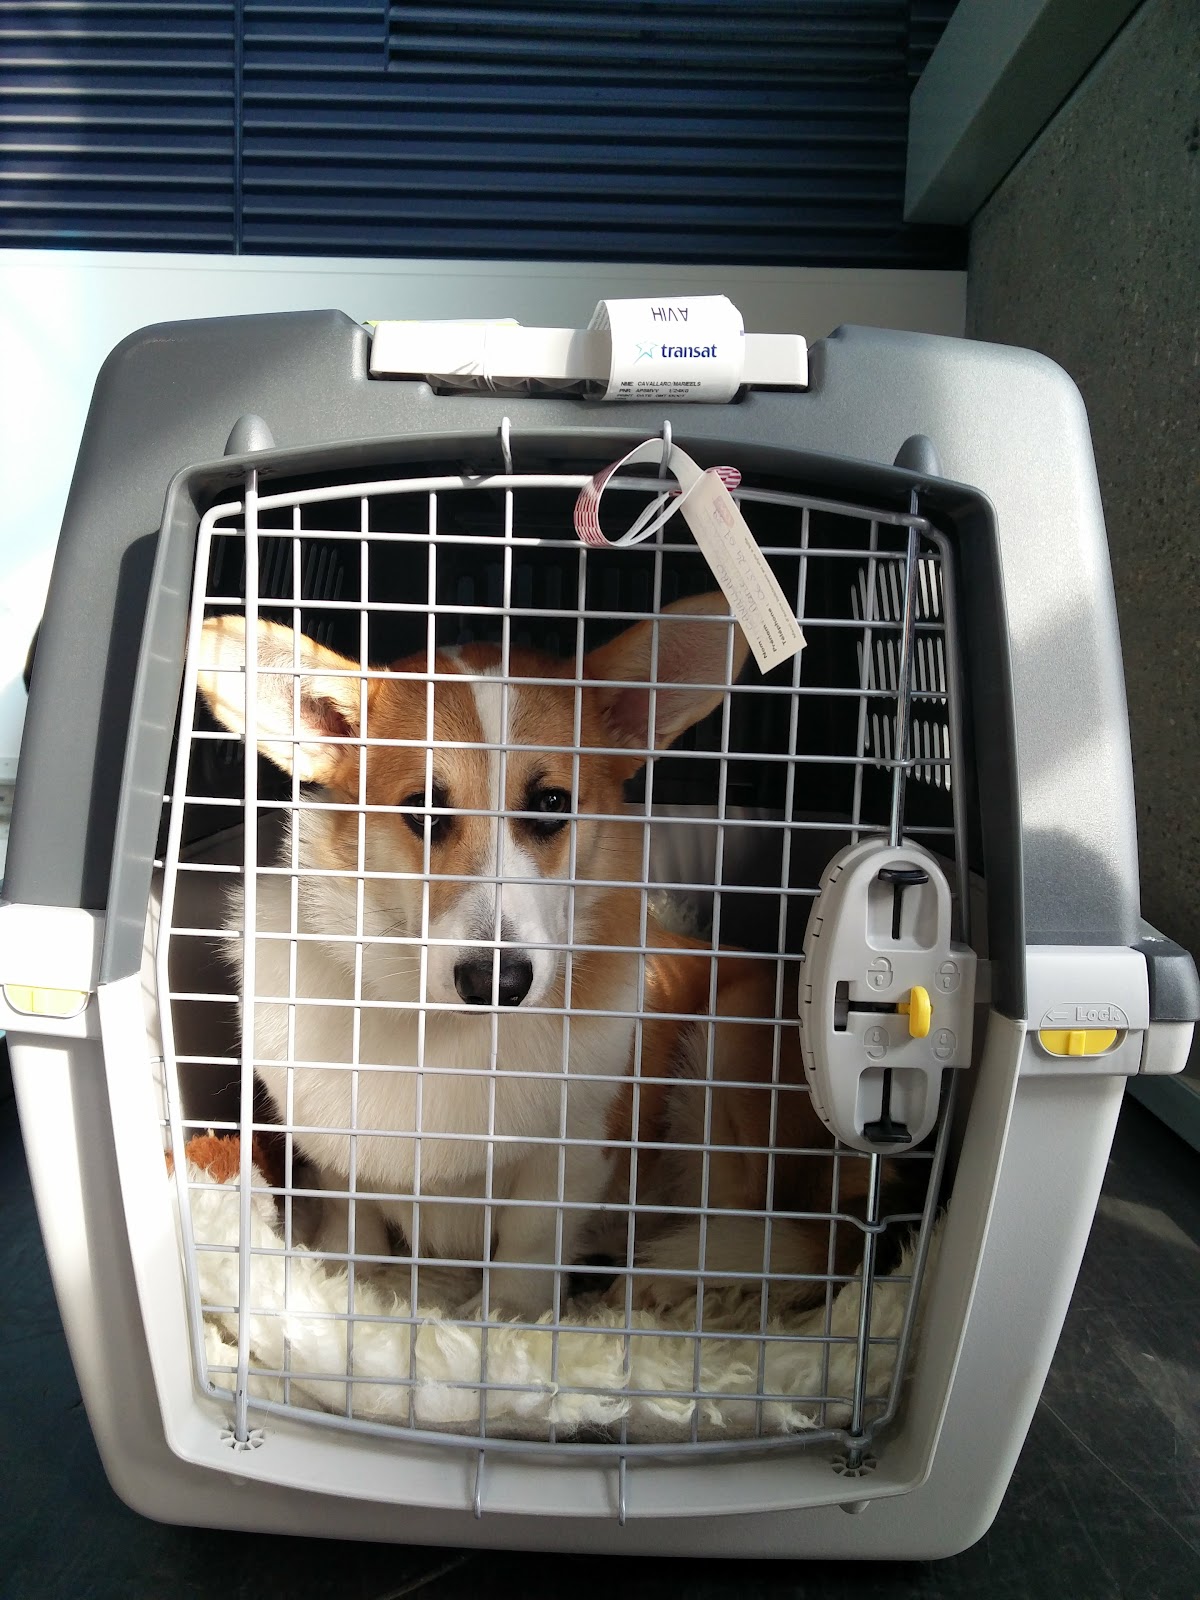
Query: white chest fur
[(400, 1103)]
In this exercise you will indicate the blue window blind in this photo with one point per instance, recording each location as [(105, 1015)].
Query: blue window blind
[(768, 131)]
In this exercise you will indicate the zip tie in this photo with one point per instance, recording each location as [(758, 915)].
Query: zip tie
[(672, 460), (725, 540)]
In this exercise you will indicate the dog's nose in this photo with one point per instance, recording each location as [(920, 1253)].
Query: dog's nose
[(475, 978)]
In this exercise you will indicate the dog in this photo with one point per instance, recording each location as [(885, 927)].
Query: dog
[(444, 1047), (736, 1141)]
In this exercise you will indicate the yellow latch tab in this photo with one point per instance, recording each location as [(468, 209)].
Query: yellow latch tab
[(35, 1000), (1077, 1041), (919, 1010)]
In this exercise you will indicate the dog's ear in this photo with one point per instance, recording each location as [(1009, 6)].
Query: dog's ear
[(301, 695), (700, 650)]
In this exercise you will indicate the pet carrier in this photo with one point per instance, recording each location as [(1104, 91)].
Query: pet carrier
[(596, 1077)]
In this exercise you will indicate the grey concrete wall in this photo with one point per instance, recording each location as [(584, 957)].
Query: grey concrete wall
[(1090, 252)]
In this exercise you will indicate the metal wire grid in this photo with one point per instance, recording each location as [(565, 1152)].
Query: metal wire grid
[(880, 568)]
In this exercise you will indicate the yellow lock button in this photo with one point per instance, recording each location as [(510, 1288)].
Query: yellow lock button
[(1077, 1041), (919, 1010)]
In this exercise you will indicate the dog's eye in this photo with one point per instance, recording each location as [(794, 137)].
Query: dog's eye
[(418, 819), (552, 804)]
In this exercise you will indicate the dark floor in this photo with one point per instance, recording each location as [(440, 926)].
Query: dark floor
[(1105, 1502)]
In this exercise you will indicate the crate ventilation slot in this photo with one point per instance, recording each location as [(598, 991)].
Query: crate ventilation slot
[(879, 664)]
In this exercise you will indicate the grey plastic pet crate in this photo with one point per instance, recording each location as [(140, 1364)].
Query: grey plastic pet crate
[(932, 507)]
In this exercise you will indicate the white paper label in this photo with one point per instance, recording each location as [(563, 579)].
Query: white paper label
[(739, 566), (725, 540), (688, 349)]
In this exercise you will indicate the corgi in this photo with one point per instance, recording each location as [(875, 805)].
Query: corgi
[(673, 1126), (447, 1097)]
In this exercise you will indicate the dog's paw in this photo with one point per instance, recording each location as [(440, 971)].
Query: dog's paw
[(658, 1297), (523, 1293)]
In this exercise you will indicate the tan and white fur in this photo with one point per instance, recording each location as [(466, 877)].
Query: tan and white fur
[(433, 1096), (742, 1100)]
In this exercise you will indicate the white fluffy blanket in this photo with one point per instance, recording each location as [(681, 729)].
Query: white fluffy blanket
[(604, 1376)]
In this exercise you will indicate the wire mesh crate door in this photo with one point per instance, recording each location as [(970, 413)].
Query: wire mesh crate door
[(520, 914)]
